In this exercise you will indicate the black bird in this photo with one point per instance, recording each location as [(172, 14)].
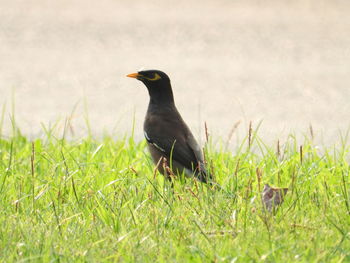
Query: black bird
[(168, 136)]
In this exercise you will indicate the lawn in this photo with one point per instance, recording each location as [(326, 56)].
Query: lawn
[(99, 200)]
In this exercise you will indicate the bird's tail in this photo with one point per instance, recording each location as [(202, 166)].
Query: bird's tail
[(204, 177)]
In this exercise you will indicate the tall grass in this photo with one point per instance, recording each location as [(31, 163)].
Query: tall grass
[(100, 200)]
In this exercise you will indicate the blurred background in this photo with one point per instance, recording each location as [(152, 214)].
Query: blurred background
[(283, 63)]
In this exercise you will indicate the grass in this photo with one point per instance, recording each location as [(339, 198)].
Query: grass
[(99, 200)]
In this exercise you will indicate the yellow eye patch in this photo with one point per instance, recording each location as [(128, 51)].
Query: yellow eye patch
[(156, 77)]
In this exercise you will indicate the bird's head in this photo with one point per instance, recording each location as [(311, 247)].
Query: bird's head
[(157, 83), (151, 78)]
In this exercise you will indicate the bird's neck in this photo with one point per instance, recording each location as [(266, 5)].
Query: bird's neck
[(159, 104), (161, 97), (156, 108)]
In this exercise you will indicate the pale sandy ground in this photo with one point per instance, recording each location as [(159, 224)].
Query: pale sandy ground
[(286, 63)]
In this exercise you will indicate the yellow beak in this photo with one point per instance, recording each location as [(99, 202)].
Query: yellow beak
[(133, 75)]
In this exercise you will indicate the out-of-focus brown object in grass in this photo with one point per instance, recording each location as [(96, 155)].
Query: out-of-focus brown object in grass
[(273, 197)]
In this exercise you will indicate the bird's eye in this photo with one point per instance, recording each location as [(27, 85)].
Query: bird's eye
[(154, 78)]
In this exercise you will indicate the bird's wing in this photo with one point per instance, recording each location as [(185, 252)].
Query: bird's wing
[(192, 143), (182, 150)]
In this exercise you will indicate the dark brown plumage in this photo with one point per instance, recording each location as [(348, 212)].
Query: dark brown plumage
[(167, 134)]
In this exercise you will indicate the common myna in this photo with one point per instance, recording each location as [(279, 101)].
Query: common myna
[(169, 138)]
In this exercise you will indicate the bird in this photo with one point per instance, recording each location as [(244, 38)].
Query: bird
[(171, 143), (272, 197)]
